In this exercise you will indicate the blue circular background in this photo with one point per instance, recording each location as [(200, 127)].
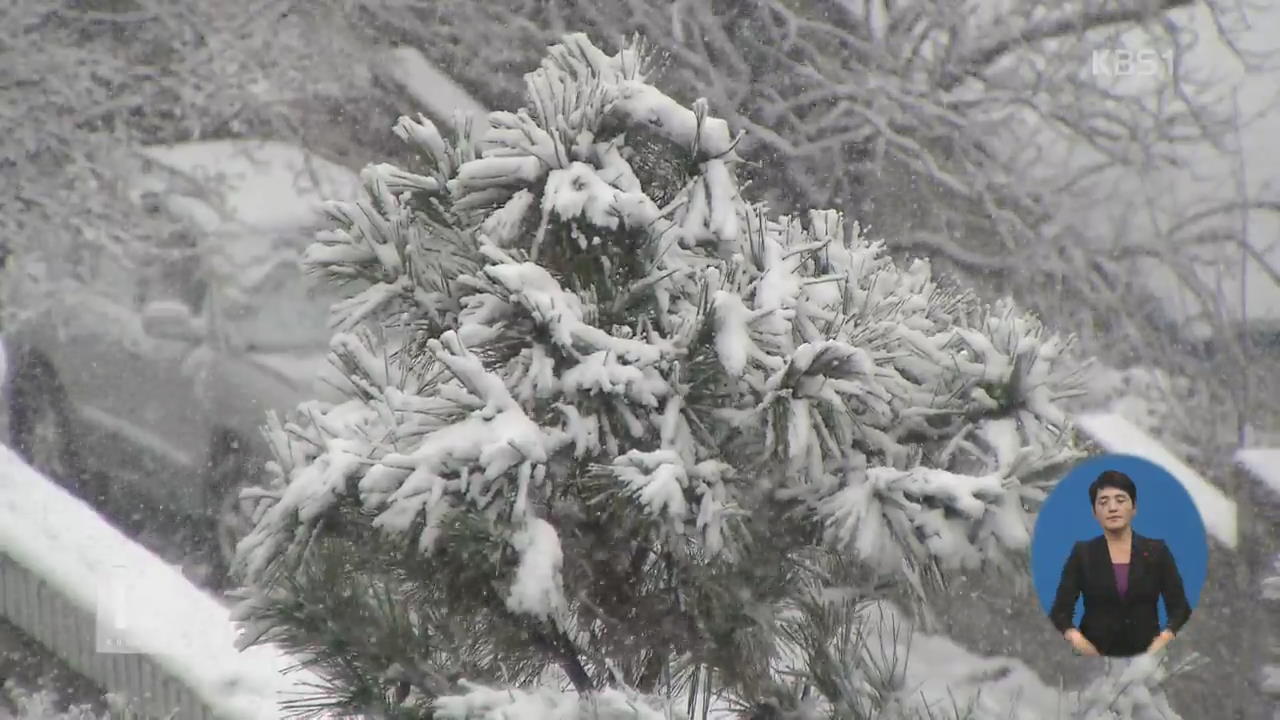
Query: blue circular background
[(1165, 512)]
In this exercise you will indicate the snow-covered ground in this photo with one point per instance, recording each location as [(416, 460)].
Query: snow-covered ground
[(939, 674), (140, 601), (36, 685)]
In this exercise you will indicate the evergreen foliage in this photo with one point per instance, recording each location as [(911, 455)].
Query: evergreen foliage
[(610, 426)]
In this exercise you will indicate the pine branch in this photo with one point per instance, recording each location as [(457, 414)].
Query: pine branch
[(628, 438)]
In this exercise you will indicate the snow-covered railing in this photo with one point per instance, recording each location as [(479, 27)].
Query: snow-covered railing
[(1262, 466), (1116, 434), (124, 618), (69, 631)]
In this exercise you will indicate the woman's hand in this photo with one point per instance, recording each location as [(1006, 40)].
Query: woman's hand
[(1079, 642), (1161, 640)]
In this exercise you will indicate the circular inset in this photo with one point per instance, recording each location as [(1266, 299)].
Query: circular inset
[(1118, 575)]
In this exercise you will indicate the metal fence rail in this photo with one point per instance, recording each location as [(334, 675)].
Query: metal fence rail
[(70, 632), (123, 618)]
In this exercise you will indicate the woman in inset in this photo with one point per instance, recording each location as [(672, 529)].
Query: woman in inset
[(1121, 575)]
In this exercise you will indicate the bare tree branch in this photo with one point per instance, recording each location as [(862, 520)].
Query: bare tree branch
[(1072, 21)]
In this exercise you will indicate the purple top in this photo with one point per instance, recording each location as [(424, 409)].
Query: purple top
[(1122, 577)]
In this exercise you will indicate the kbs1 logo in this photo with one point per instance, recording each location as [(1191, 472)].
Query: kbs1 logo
[(1120, 62)]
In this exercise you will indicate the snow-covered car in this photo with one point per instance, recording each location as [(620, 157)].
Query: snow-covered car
[(160, 379)]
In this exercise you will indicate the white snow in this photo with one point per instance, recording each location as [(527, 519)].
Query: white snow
[(261, 185), (733, 333), (658, 479), (537, 589), (933, 673), (139, 599), (939, 670), (437, 94), (544, 704), (1271, 679), (936, 676), (1271, 588), (644, 103), (1263, 464), (1118, 435)]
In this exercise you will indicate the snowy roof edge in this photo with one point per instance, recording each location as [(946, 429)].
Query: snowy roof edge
[(438, 93), (1263, 464), (1119, 435)]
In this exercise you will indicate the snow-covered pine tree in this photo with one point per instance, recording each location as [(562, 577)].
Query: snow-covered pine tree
[(645, 450)]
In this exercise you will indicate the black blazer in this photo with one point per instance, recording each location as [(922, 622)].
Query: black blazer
[(1120, 626)]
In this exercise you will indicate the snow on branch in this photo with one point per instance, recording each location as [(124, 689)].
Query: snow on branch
[(580, 381), (853, 368), (484, 702)]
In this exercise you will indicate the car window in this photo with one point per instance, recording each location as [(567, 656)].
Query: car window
[(174, 276), (172, 268), (115, 277), (286, 310), (180, 278)]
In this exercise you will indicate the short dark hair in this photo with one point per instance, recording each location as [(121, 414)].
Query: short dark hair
[(1113, 479)]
